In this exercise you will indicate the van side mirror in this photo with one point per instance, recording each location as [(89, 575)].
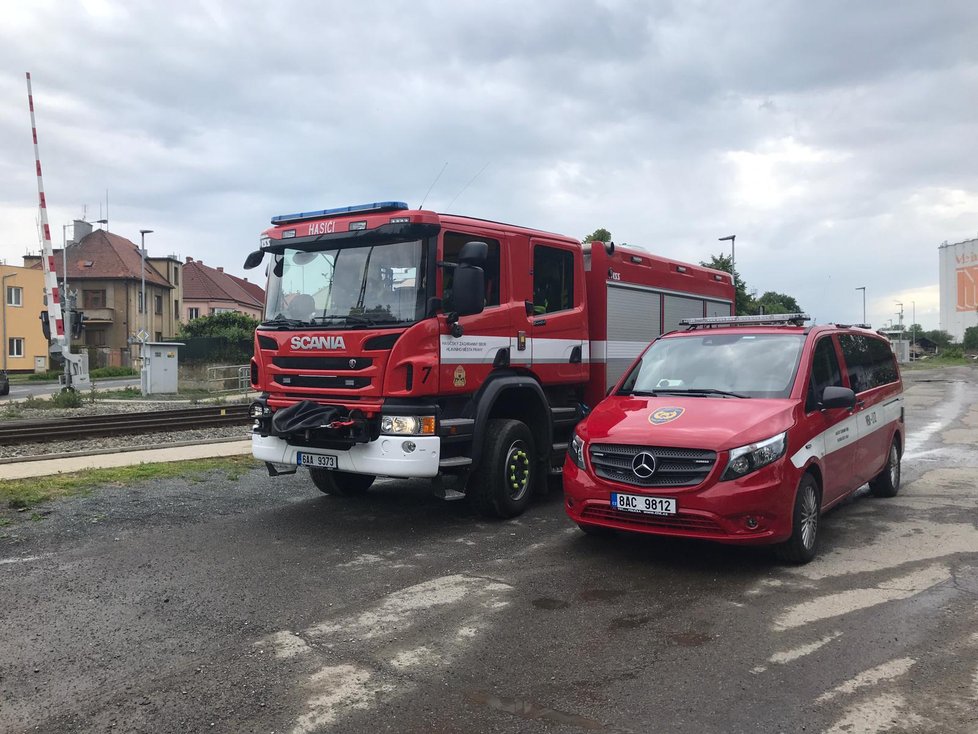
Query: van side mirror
[(254, 259), (837, 397)]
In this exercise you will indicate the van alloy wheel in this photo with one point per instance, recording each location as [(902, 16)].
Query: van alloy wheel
[(809, 517), (803, 543), (887, 482)]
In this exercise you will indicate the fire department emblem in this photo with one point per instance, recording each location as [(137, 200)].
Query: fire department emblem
[(665, 415), (459, 380)]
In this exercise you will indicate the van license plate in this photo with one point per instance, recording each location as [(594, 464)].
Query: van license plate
[(320, 461), (641, 503)]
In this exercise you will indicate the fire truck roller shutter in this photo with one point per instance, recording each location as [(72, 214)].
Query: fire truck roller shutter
[(718, 308), (633, 321), (679, 308)]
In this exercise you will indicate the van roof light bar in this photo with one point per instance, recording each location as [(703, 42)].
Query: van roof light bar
[(375, 208), (779, 319)]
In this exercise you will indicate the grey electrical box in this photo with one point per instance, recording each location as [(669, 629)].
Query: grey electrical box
[(159, 373)]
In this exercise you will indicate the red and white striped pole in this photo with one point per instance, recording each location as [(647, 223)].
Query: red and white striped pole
[(50, 272)]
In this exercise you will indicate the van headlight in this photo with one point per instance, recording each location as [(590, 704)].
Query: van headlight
[(576, 451), (411, 425), (752, 457)]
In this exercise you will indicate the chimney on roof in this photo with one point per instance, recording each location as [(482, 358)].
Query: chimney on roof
[(189, 259), (79, 230), (220, 269)]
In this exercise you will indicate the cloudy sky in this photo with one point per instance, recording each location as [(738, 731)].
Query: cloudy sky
[(837, 140)]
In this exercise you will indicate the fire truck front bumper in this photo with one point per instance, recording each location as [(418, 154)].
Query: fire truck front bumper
[(387, 456)]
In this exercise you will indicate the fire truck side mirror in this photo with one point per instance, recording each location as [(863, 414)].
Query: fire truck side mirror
[(469, 290), (254, 259), (474, 253)]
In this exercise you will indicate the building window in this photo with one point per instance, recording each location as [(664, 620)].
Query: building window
[(139, 299), (222, 310), (93, 299), (15, 295), (159, 336), (193, 313), (158, 305), (15, 346), (176, 276), (95, 337), (176, 309)]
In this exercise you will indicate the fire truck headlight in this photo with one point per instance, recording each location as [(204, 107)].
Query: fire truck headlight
[(259, 410), (414, 425)]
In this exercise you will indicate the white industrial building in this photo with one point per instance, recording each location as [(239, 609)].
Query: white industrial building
[(959, 287)]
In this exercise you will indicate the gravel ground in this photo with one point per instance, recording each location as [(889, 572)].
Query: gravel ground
[(143, 440)]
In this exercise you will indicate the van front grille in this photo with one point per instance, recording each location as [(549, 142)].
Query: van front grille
[(673, 467)]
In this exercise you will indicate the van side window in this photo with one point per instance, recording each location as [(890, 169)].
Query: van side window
[(825, 373), (869, 361), (452, 246), (553, 279)]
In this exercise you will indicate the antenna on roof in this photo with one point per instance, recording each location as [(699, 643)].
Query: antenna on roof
[(467, 185), (421, 206)]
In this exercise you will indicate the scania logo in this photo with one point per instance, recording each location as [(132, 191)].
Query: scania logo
[(643, 465), (318, 342)]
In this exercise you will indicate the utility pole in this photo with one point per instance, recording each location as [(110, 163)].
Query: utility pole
[(900, 314)]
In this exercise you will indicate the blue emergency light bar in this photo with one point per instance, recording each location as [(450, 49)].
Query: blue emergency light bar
[(376, 207)]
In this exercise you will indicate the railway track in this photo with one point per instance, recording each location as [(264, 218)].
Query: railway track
[(121, 424)]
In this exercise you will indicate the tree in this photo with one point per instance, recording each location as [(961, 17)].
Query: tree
[(970, 341), (774, 302), (230, 325), (598, 235), (941, 338), (744, 300)]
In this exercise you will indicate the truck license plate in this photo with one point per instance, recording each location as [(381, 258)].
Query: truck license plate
[(641, 503), (320, 461)]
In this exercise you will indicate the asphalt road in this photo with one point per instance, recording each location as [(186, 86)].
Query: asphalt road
[(261, 605), (20, 390)]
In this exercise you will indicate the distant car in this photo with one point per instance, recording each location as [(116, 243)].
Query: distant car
[(4, 383), (740, 432)]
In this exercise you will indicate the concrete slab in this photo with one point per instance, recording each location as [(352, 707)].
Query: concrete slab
[(69, 464)]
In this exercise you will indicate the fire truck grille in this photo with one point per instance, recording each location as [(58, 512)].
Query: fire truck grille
[(338, 364), (673, 467), (323, 382)]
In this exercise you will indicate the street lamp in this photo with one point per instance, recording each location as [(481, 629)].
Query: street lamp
[(142, 262), (863, 289), (900, 314), (913, 328), (733, 258)]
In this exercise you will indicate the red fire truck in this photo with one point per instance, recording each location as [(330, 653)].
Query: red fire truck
[(406, 343)]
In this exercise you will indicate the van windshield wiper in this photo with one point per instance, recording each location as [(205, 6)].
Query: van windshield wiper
[(700, 391), (641, 393)]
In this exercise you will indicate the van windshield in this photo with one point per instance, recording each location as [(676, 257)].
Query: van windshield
[(738, 365)]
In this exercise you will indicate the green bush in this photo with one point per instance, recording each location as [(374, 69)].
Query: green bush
[(103, 372), (952, 353), (44, 376), (67, 399)]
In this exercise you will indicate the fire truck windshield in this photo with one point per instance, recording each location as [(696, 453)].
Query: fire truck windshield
[(347, 287)]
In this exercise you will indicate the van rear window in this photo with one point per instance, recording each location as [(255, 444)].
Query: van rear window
[(869, 361)]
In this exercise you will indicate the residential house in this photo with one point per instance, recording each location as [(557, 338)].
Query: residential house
[(24, 347), (208, 291), (106, 274)]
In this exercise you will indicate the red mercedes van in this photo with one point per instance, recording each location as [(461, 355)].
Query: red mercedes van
[(740, 430)]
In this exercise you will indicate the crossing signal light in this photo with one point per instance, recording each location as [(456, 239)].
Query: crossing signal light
[(45, 325), (77, 324)]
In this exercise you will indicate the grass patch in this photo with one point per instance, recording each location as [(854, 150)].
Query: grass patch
[(936, 362), (21, 494)]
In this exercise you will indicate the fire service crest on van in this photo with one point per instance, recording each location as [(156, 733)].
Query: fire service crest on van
[(665, 415)]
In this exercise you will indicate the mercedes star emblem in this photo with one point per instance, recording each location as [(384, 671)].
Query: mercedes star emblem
[(643, 465)]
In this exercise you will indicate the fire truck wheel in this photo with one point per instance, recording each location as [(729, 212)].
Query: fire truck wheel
[(503, 485), (341, 483)]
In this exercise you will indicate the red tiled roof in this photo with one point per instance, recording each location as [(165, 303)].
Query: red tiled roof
[(102, 254), (204, 283)]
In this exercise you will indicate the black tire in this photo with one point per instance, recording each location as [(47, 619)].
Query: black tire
[(887, 482), (341, 483), (597, 531), (503, 484), (802, 546)]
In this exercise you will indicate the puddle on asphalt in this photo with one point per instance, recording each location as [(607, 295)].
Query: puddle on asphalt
[(691, 639), (601, 594), (630, 621), (548, 603)]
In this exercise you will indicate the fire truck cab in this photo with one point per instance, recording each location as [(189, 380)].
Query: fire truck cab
[(406, 343)]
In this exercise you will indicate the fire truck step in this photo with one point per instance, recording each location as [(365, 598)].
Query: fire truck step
[(454, 462), (454, 430), (564, 416)]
